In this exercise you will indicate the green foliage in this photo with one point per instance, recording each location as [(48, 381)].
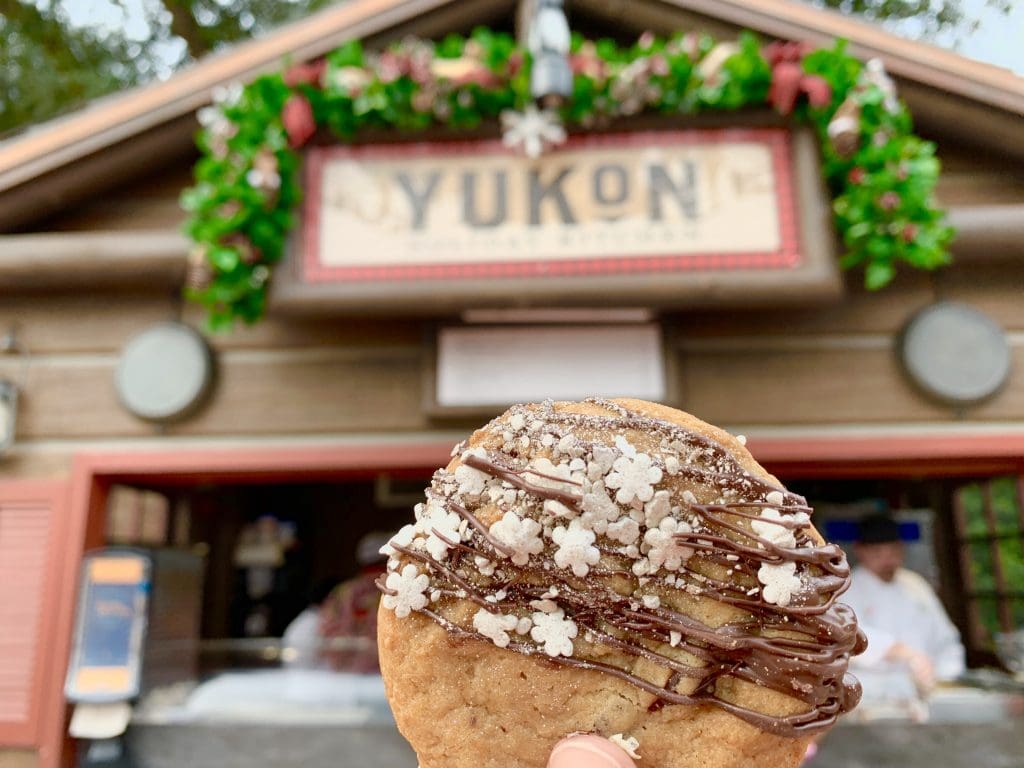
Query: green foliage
[(884, 199), (46, 65), (883, 190), (52, 61), (930, 17), (1010, 545)]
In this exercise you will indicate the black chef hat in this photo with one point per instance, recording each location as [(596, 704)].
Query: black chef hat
[(879, 528)]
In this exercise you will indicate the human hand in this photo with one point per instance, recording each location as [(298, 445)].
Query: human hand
[(589, 751), (920, 666)]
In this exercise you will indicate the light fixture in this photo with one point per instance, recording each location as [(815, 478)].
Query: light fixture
[(8, 414), (548, 41), (9, 391)]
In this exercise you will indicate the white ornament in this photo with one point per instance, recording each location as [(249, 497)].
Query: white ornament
[(409, 586), (532, 130), (520, 534), (576, 548), (555, 632), (875, 74), (227, 95)]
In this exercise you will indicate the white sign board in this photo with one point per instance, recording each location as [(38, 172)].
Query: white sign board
[(484, 366)]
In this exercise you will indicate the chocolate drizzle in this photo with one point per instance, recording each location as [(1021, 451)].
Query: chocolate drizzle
[(800, 648)]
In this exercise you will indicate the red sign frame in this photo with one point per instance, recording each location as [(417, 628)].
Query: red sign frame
[(778, 141)]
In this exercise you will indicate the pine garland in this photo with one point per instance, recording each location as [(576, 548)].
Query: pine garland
[(243, 205)]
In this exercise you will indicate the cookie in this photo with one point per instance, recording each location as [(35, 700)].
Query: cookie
[(617, 568)]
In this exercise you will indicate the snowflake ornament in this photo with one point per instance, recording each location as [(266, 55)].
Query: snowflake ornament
[(532, 130), (408, 586), (554, 632), (576, 548), (520, 534)]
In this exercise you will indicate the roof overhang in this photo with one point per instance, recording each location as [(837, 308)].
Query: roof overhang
[(125, 136)]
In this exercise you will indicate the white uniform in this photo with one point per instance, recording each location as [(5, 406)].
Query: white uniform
[(301, 641), (907, 611)]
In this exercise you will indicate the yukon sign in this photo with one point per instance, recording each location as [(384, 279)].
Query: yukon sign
[(600, 215)]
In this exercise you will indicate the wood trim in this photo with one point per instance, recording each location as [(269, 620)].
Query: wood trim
[(94, 473), (141, 109), (53, 494), (920, 62), (117, 258), (101, 258), (68, 140), (92, 477), (880, 455)]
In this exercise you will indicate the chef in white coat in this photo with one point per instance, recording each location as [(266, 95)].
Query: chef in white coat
[(909, 633)]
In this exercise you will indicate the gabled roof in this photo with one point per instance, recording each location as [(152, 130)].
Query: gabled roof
[(121, 136)]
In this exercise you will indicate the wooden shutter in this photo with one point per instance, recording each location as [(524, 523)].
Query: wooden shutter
[(29, 580)]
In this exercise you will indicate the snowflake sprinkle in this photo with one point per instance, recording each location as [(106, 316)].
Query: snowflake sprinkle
[(520, 534), (495, 626), (409, 586), (576, 548), (780, 582), (555, 632), (634, 474), (663, 549), (436, 517)]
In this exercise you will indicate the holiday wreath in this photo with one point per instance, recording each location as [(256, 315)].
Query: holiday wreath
[(243, 204)]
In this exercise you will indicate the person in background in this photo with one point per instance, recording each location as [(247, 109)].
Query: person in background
[(302, 643), (351, 613), (907, 628)]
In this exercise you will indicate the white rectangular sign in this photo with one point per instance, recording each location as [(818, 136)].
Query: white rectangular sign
[(482, 366)]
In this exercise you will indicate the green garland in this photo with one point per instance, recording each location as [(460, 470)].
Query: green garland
[(247, 189)]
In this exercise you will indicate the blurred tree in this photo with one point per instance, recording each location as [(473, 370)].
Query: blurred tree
[(928, 17), (55, 55), (46, 64)]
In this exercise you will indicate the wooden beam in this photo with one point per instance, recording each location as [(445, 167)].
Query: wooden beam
[(98, 127), (988, 233), (70, 260), (985, 233)]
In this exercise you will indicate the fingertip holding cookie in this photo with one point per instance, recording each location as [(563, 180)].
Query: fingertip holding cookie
[(588, 752)]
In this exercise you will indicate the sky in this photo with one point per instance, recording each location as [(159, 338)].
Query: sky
[(998, 39)]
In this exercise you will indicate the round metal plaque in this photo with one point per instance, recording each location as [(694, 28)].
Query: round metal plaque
[(955, 353), (165, 372)]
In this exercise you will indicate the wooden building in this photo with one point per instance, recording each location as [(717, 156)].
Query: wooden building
[(92, 254)]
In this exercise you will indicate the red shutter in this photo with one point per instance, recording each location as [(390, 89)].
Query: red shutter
[(29, 579)]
